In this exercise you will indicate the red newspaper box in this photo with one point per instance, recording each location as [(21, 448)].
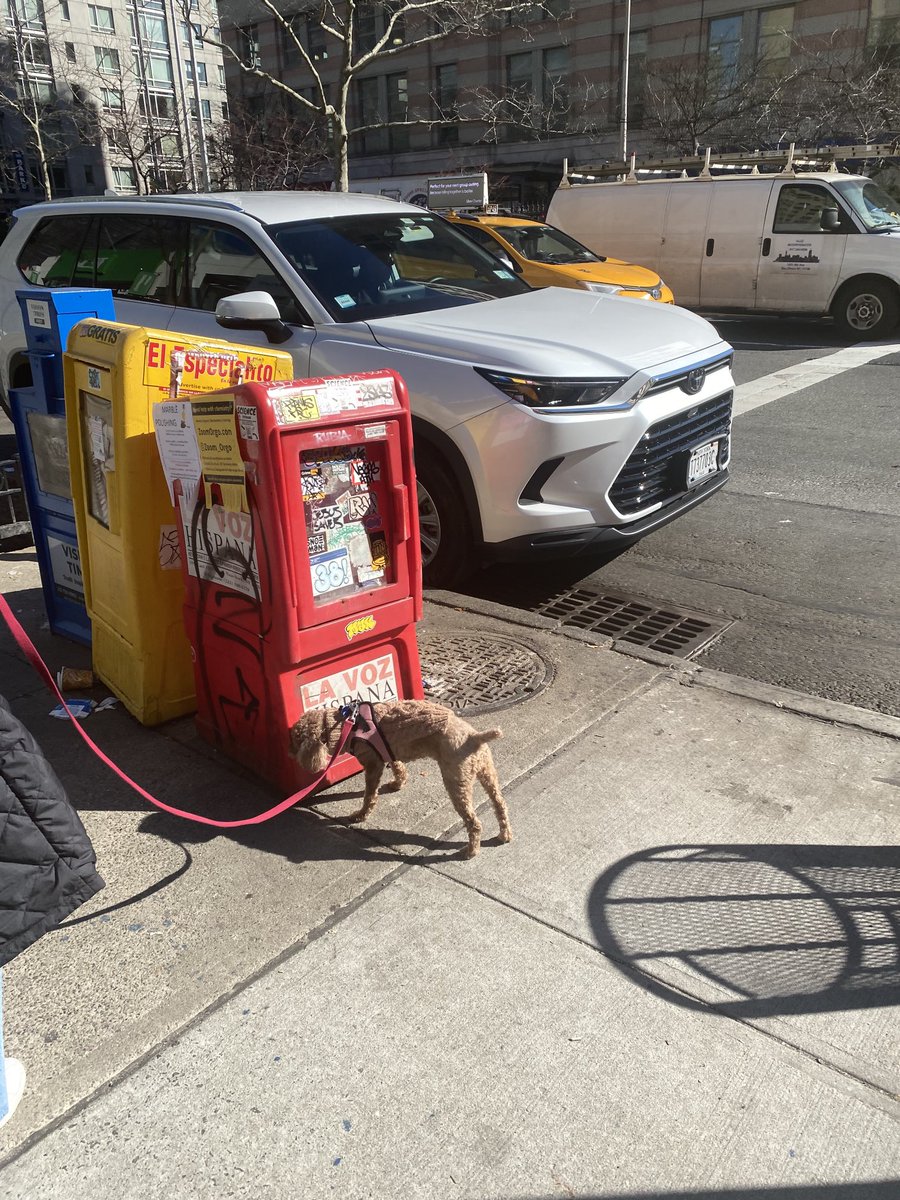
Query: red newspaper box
[(301, 551)]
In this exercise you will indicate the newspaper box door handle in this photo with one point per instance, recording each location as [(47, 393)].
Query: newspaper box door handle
[(401, 512)]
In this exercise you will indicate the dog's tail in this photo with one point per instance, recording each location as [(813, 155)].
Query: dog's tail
[(475, 740)]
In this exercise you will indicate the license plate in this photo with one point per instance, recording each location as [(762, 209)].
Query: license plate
[(704, 461)]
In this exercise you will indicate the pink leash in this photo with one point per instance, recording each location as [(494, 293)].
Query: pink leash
[(28, 649)]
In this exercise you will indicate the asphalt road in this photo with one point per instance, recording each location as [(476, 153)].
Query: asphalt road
[(802, 548)]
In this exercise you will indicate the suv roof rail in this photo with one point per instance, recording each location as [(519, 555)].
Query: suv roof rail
[(789, 160), (187, 198)]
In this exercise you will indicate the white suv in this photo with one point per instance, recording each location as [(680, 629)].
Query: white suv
[(546, 421)]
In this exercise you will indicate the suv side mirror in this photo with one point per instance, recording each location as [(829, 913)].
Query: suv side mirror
[(253, 310), (831, 219)]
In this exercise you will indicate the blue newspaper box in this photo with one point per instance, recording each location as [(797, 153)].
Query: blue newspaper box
[(39, 416)]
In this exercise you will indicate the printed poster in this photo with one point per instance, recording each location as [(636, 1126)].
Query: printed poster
[(220, 452)]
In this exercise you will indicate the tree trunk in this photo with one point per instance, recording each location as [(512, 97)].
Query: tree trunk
[(341, 153)]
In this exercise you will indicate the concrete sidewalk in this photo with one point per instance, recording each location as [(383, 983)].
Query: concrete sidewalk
[(680, 978)]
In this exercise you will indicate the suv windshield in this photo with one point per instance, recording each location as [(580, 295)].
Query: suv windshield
[(544, 244), (385, 265), (871, 203)]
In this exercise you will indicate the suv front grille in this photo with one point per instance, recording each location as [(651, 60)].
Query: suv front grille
[(656, 470)]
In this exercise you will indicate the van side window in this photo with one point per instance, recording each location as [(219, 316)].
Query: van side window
[(223, 262), (49, 256), (140, 256), (800, 207)]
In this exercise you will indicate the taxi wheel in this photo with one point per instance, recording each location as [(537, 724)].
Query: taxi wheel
[(866, 309), (443, 525)]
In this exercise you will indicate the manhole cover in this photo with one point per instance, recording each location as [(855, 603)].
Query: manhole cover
[(681, 632), (475, 673)]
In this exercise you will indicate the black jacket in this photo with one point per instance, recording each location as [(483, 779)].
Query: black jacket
[(47, 863)]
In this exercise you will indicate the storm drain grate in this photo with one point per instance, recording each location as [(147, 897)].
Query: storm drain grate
[(677, 631), (475, 673)]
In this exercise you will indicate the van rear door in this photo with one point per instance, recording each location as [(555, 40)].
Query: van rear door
[(730, 252), (803, 248)]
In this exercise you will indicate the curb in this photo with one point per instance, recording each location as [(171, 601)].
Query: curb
[(835, 712)]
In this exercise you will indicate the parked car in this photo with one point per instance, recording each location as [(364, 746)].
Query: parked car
[(546, 422), (821, 243), (546, 257)]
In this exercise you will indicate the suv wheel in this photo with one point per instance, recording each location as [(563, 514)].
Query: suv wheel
[(443, 525)]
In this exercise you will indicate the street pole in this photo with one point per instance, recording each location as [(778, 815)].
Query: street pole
[(626, 62)]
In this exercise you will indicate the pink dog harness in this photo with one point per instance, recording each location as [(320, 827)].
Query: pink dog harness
[(365, 728)]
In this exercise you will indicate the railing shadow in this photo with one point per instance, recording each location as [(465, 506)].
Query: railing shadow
[(780, 929)]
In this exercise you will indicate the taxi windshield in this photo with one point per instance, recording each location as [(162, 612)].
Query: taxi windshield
[(544, 244), (386, 265), (871, 203)]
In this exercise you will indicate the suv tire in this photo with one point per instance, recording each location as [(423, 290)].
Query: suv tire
[(444, 529)]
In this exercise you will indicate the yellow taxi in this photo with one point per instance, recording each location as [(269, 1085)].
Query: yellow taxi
[(546, 257)]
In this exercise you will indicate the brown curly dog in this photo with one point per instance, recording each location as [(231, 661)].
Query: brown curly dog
[(413, 729)]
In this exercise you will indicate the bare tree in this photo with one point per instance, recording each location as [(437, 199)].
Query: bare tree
[(690, 103), (28, 92), (266, 146), (336, 41)]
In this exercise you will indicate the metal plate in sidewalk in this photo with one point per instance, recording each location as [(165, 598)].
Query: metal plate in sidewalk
[(680, 632), (476, 673)]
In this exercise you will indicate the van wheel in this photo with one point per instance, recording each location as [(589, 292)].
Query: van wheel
[(866, 309), (443, 525)]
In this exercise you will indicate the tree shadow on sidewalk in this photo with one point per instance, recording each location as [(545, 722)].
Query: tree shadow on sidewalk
[(778, 930)]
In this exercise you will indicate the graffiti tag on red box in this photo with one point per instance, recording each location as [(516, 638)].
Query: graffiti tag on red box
[(374, 681)]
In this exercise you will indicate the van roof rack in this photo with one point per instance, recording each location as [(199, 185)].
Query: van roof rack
[(786, 161)]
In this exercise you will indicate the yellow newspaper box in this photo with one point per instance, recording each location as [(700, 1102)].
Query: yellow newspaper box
[(124, 509)]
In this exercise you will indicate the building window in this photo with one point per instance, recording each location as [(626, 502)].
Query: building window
[(520, 93), (159, 69), (107, 60), (157, 104), (773, 42), (101, 18), (290, 31), (555, 87), (70, 52), (398, 33), (224, 110), (111, 99), (205, 110), (64, 9), (446, 94), (637, 75), (315, 40), (725, 49), (125, 178), (883, 33), (370, 112), (366, 28), (220, 74), (201, 72), (89, 176), (397, 110), (28, 14), (248, 45), (36, 55), (150, 30)]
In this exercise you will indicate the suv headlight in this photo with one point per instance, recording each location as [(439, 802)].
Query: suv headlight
[(537, 392)]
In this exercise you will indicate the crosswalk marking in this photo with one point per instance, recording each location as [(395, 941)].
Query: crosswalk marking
[(778, 384)]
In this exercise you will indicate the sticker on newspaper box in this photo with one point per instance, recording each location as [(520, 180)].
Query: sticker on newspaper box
[(330, 571), (222, 549), (374, 681), (248, 422)]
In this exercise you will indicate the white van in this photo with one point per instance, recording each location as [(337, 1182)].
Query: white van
[(821, 243)]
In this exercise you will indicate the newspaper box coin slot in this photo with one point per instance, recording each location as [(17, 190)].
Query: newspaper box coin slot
[(301, 553)]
